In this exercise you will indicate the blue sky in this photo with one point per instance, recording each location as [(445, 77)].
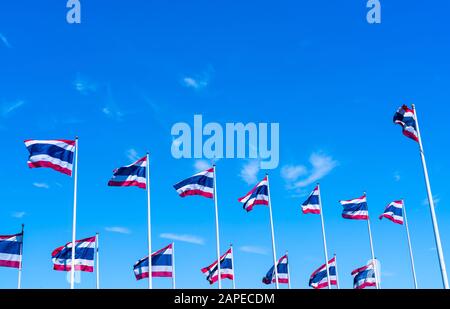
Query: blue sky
[(123, 77)]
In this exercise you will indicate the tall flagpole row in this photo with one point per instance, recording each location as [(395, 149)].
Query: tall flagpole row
[(324, 238), (74, 222), (216, 208), (274, 251), (377, 282), (410, 247), (19, 278), (149, 236), (437, 236)]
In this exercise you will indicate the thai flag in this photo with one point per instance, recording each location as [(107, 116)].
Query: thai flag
[(84, 256), (11, 250), (200, 184), (394, 212), (226, 268), (364, 277), (130, 175), (355, 209), (56, 154), (407, 119), (282, 270), (312, 204), (259, 195), (319, 279), (162, 264)]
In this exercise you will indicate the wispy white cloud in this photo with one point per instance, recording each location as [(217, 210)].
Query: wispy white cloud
[(249, 172), (132, 154), (184, 238), (5, 41), (18, 214), (397, 176), (253, 249), (201, 165), (118, 229), (41, 185), (195, 83), (436, 200), (300, 176), (111, 108), (84, 85), (9, 107)]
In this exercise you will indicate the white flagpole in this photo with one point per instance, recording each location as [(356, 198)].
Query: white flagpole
[(173, 266), (232, 266), (288, 271), (19, 279), (97, 263), (431, 203), (324, 238), (217, 230), (410, 247), (150, 274), (74, 222), (371, 248), (275, 267), (337, 276)]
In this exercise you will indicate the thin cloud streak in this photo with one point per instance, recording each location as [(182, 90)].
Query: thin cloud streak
[(183, 238)]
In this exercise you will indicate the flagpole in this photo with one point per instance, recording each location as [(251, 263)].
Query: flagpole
[(324, 238), (149, 236), (275, 267), (371, 247), (410, 247), (288, 271), (173, 266), (336, 267), (74, 222), (19, 279), (437, 236), (232, 266), (97, 263), (217, 230)]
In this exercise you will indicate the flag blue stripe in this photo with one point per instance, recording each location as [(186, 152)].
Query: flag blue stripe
[(200, 180), (51, 150), (80, 253), (10, 247), (130, 170)]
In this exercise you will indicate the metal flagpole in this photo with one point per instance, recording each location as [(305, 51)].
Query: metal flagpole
[(217, 230), (410, 247), (275, 264), (288, 271), (336, 267), (74, 222), (431, 203), (232, 266), (371, 247), (324, 238), (97, 263), (150, 274), (19, 279), (173, 266)]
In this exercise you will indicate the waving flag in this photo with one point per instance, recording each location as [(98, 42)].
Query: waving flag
[(407, 119), (10, 250), (283, 272), (364, 277), (259, 195), (84, 256), (312, 204), (394, 212), (200, 184), (226, 268), (319, 280), (162, 264), (355, 209), (130, 175), (55, 154)]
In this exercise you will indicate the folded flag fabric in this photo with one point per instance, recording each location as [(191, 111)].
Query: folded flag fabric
[(364, 277), (200, 184), (84, 256), (319, 279), (162, 264), (11, 250), (394, 212), (312, 204), (259, 195), (355, 209), (55, 154), (226, 268), (407, 119), (283, 272), (130, 175)]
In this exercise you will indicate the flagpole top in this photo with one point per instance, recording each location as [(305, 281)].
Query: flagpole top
[(413, 105), (76, 137)]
